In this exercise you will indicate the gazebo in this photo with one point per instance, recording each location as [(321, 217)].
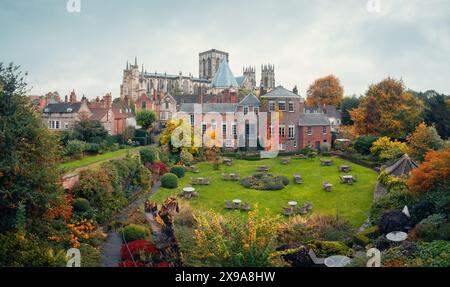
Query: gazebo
[(401, 167)]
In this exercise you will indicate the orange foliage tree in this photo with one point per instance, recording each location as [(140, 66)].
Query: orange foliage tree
[(325, 91), (387, 109), (422, 140), (432, 174)]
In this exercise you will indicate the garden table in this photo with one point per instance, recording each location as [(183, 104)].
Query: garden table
[(347, 178), (200, 180), (189, 189), (292, 204), (397, 236), (337, 261), (344, 168), (237, 202)]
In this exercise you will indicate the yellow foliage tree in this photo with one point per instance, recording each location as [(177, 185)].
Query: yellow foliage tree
[(385, 149), (423, 140)]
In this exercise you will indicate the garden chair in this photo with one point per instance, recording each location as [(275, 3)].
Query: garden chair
[(327, 186), (229, 204), (181, 193), (288, 211), (298, 178), (195, 194), (188, 195), (308, 207), (302, 210), (245, 207), (193, 181), (236, 177)]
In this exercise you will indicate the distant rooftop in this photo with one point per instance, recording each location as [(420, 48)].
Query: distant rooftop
[(208, 108), (280, 92)]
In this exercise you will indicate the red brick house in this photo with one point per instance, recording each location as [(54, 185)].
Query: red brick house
[(313, 130)]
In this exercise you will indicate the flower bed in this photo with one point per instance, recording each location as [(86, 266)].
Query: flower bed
[(265, 181)]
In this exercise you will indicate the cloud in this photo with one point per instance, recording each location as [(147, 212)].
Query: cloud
[(303, 39)]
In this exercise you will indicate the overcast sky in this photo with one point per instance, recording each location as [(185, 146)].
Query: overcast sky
[(87, 51)]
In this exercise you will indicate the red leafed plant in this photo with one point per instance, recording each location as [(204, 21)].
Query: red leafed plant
[(145, 254), (157, 168)]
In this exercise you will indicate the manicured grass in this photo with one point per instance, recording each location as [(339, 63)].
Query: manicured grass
[(350, 202), (90, 160)]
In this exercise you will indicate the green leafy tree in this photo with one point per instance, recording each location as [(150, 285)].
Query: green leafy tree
[(348, 104), (90, 131), (29, 156), (437, 111), (146, 118)]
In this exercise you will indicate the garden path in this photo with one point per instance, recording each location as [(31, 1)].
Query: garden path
[(110, 249)]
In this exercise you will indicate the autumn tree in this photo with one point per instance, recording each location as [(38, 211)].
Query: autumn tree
[(433, 174), (325, 91), (422, 140), (386, 149), (387, 109)]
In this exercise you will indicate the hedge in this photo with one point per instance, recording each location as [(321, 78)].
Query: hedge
[(134, 232), (362, 238)]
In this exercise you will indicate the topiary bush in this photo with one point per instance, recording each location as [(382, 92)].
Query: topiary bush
[(393, 221), (81, 205), (169, 180), (134, 232), (179, 171)]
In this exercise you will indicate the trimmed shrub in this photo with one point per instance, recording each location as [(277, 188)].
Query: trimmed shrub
[(135, 232), (295, 254), (393, 221), (261, 181), (169, 180), (179, 171), (81, 205)]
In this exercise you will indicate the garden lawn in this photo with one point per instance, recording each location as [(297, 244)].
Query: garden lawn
[(96, 159), (351, 202)]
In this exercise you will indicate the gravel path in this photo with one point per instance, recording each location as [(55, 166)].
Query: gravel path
[(110, 249)]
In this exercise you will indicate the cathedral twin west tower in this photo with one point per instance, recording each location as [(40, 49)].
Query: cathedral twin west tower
[(214, 73)]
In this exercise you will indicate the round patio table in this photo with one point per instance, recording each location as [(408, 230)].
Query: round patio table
[(292, 203), (337, 261), (237, 202), (347, 177), (189, 189), (397, 236)]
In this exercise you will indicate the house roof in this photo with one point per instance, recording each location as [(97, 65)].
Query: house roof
[(403, 166), (332, 112), (208, 108), (182, 99), (62, 108), (98, 114), (280, 92), (241, 80), (224, 77), (249, 100), (313, 120)]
